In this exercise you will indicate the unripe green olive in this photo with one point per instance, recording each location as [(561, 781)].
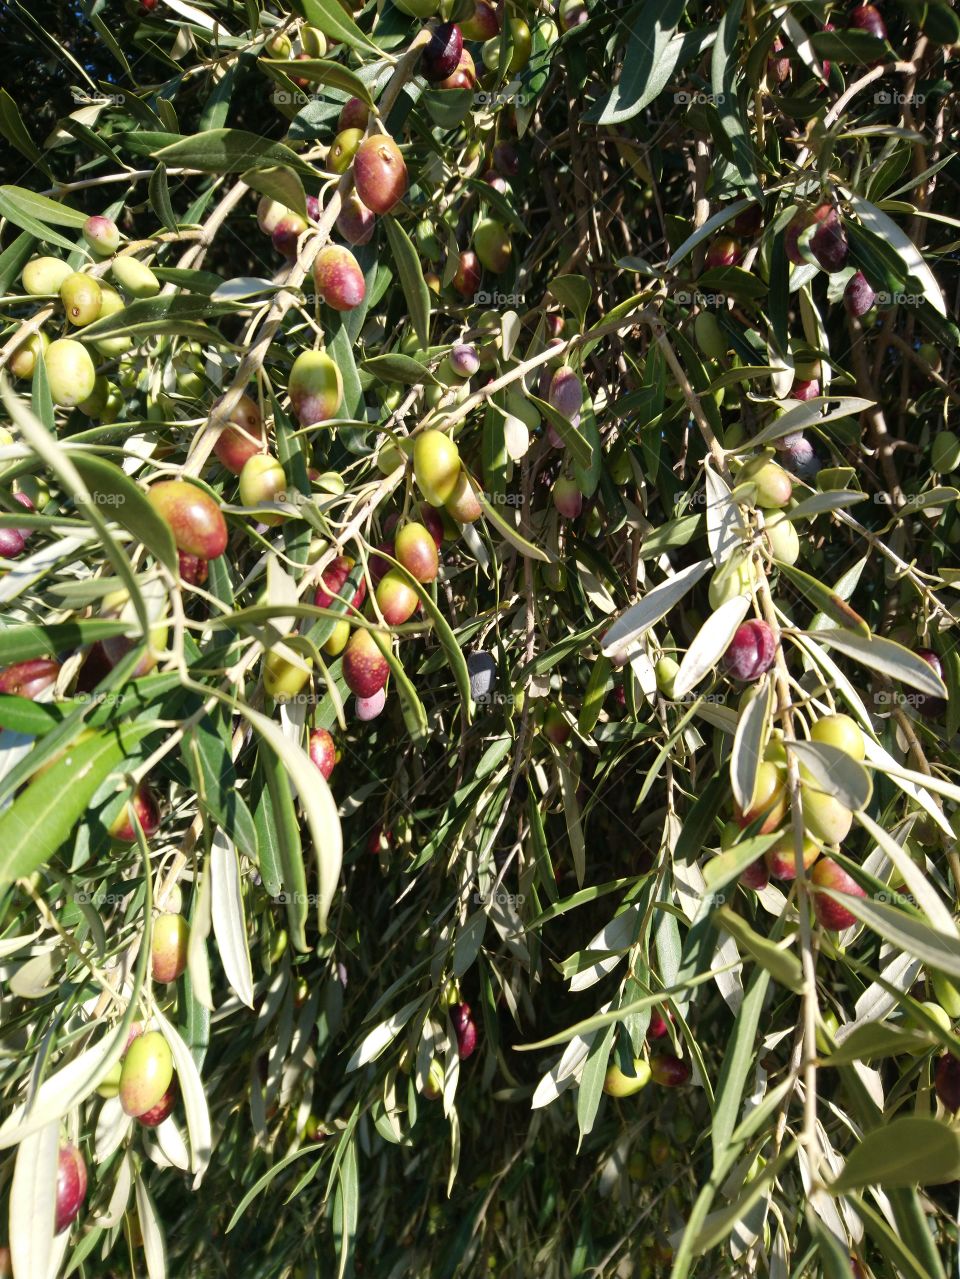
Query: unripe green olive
[(146, 1073), (24, 358), (948, 996), (345, 147), (96, 402), (43, 276), (840, 731), (70, 372), (945, 453), (428, 242), (666, 671), (80, 295), (940, 1016), (771, 483), (433, 1088), (522, 41), (109, 1085), (337, 640), (278, 46), (618, 1084), (710, 337), (110, 303), (783, 536), (135, 277), (493, 245), (263, 480), (313, 42), (736, 576), (284, 677)]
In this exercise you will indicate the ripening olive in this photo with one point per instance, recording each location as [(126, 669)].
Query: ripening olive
[(146, 1073), (436, 465), (168, 955), (194, 517), (315, 387), (379, 173), (102, 235)]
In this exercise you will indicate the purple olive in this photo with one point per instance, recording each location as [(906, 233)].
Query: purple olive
[(464, 360), (12, 543), (867, 17), (752, 651), (858, 296), (441, 57), (465, 1028), (368, 708), (946, 1080)]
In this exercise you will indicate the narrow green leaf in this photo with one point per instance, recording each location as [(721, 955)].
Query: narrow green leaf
[(415, 290), (911, 1150)]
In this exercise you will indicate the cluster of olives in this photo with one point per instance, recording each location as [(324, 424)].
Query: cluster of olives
[(826, 821), (85, 296), (664, 1068)]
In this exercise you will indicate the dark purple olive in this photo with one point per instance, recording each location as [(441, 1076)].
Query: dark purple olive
[(752, 651), (867, 17), (756, 876), (828, 244), (441, 57), (11, 543), (465, 1028), (506, 159), (858, 296), (946, 1080)]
